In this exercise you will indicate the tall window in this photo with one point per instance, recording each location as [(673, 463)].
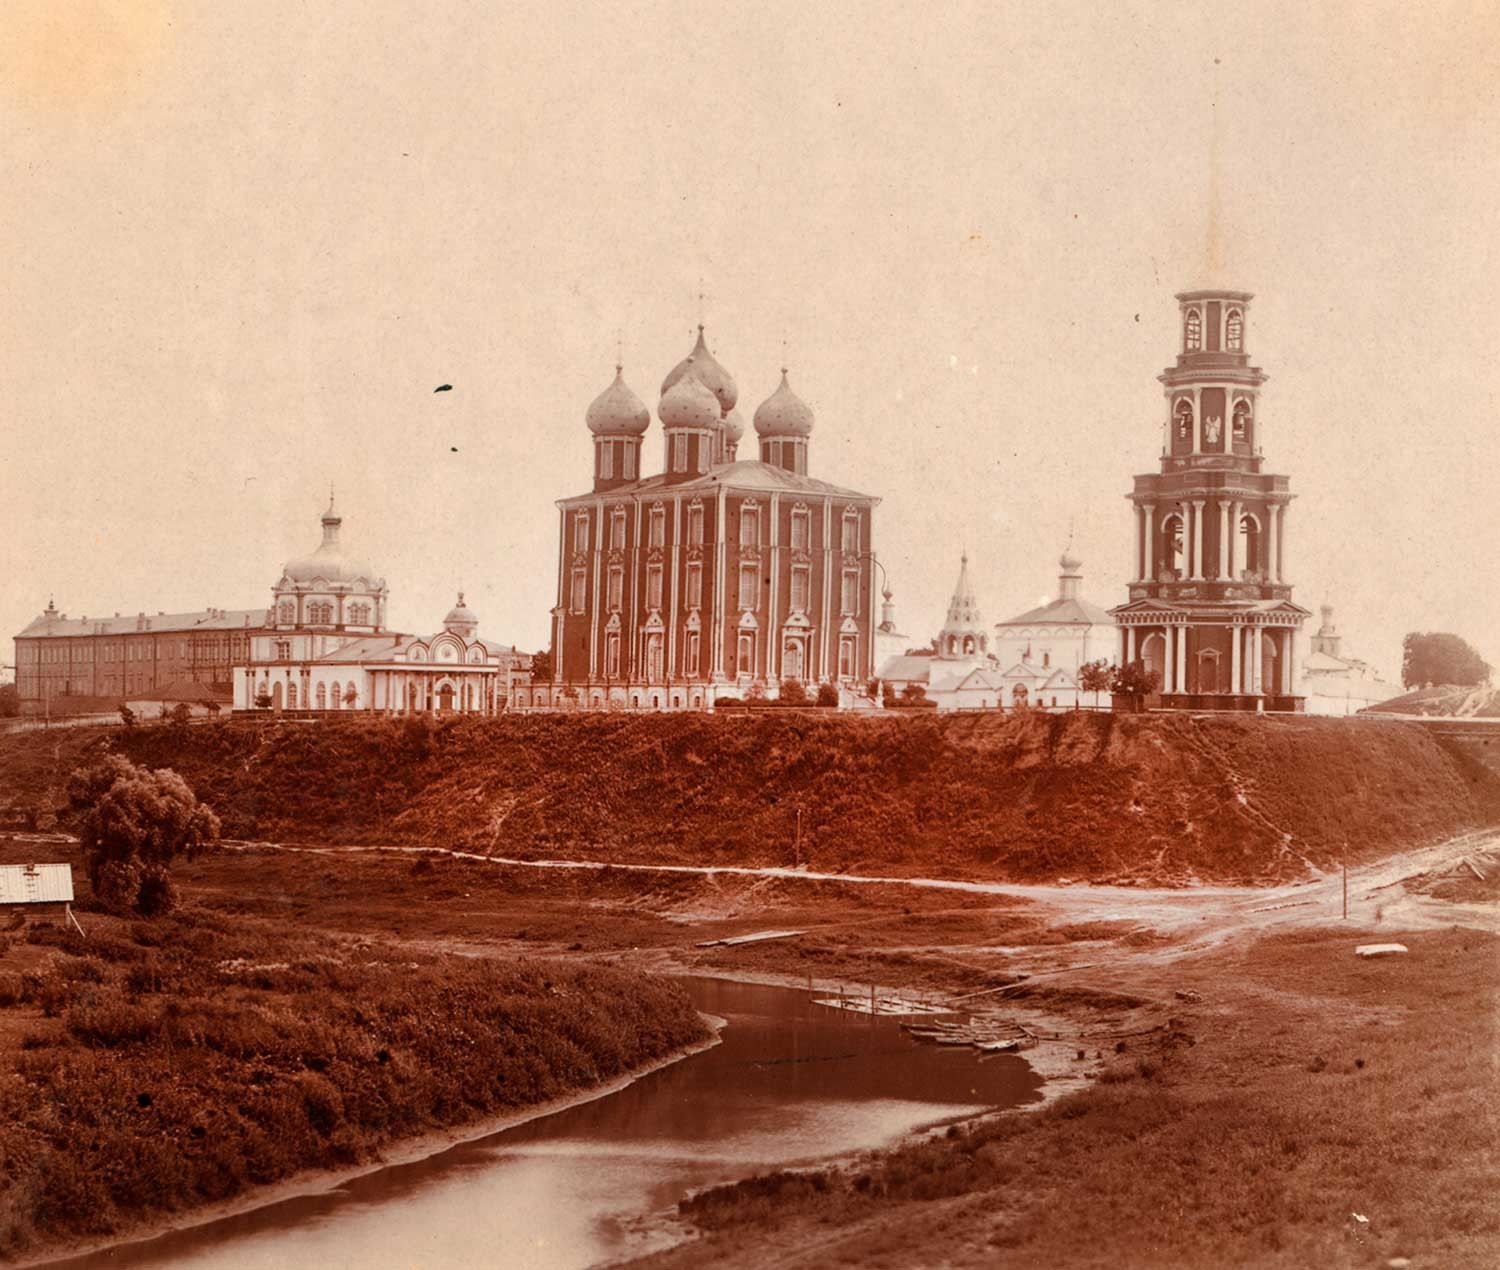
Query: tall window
[(801, 587), (1183, 414), (1234, 331), (653, 586), (581, 531), (679, 452), (617, 529), (749, 526), (359, 614), (1249, 544), (850, 596), (616, 588), (749, 585), (801, 520), (291, 696), (322, 696), (851, 534), (320, 613), (580, 591), (1193, 334), (694, 586), (1242, 420), (286, 612), (695, 525), (658, 526), (627, 468), (690, 657), (745, 660), (606, 460), (283, 650), (846, 656), (612, 655), (1171, 542)]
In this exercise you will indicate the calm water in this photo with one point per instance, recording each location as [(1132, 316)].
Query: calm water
[(792, 1082)]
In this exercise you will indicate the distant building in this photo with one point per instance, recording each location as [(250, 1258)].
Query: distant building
[(1042, 649), (1210, 606), (84, 665), (1335, 684), (325, 647), (720, 576), (961, 648)]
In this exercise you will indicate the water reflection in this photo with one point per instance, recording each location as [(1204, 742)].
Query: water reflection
[(791, 1083)]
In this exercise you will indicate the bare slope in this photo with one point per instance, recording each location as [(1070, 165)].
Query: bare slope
[(1019, 797)]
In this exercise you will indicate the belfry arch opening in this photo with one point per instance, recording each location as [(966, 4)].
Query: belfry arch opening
[(1172, 543), (1248, 547)]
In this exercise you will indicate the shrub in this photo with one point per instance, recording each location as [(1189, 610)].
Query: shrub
[(828, 695), (793, 692), (158, 893)]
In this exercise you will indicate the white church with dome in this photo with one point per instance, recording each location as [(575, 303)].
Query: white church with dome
[(326, 647)]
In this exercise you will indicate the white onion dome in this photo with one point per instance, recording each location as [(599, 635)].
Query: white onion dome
[(783, 413), (461, 619), (330, 561), (1069, 562), (734, 426), (706, 369), (617, 411), (688, 403)]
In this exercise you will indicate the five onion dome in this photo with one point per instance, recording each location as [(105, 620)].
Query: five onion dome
[(783, 413), (617, 411), (689, 403)]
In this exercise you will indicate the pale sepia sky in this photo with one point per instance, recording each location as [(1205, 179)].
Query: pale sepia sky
[(243, 242)]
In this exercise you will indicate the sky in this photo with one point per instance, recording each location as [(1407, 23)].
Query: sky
[(243, 243)]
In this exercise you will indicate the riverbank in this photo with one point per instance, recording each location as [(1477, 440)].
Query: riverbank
[(158, 1069)]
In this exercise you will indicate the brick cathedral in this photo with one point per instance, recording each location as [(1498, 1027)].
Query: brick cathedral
[(719, 576), (1210, 605)]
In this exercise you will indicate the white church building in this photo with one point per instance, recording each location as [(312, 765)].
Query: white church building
[(326, 648)]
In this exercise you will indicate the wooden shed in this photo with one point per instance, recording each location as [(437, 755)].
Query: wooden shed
[(37, 890)]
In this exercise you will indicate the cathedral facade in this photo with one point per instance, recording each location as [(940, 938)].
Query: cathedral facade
[(719, 576), (1210, 608)]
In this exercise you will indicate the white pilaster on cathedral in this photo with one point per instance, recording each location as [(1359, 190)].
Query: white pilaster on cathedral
[(1181, 675), (1150, 541), (1198, 539), (1255, 659), (1223, 506), (1237, 638)]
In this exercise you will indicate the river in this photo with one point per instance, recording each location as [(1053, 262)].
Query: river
[(791, 1083)]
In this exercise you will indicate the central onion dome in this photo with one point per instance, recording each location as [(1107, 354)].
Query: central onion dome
[(330, 562), (617, 411), (783, 413), (688, 402), (701, 364), (461, 619)]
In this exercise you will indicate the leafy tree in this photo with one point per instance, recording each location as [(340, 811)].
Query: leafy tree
[(793, 692), (351, 696), (10, 701), (828, 695), (1096, 677), (541, 666), (132, 822), (1440, 658), (263, 699), (1134, 681)]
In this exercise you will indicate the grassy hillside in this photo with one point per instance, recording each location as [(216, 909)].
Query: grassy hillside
[(1016, 796)]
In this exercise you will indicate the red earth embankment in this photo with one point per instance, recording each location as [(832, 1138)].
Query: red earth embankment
[(1014, 797)]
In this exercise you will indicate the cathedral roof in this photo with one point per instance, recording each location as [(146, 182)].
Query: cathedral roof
[(1062, 612), (704, 367), (749, 475), (617, 411)]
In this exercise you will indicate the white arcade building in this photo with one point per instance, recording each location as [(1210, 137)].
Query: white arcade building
[(326, 647)]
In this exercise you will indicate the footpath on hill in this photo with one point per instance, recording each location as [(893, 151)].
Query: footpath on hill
[(1160, 799)]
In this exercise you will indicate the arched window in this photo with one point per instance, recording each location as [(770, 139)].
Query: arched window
[(1171, 543), (322, 696), (1250, 552), (968, 644), (291, 696), (1193, 331), (1242, 421), (359, 614), (286, 612), (1019, 694), (1182, 427), (1234, 331)]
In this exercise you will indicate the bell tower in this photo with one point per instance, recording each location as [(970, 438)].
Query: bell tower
[(1211, 599)]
